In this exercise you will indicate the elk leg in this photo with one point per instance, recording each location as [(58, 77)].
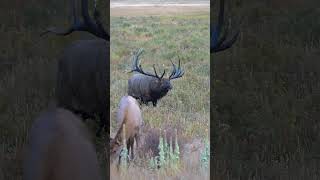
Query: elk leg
[(154, 103), (130, 147), (103, 124), (137, 137), (144, 101), (119, 161)]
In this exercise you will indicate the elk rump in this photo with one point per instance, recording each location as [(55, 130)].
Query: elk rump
[(60, 148)]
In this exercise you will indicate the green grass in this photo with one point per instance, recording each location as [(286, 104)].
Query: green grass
[(28, 71), (165, 38), (186, 106)]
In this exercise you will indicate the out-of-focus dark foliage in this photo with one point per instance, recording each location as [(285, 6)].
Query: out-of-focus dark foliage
[(28, 69), (266, 104)]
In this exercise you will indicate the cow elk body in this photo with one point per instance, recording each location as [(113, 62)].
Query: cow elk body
[(129, 118), (83, 70), (60, 148), (150, 87)]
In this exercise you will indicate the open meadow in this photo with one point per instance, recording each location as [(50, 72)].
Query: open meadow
[(164, 34), (28, 76)]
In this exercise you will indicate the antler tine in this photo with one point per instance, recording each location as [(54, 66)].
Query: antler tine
[(164, 71), (220, 18), (138, 68), (223, 37), (174, 69), (75, 20), (228, 44), (135, 60), (176, 73), (94, 28), (219, 44), (85, 13), (181, 72), (179, 62), (154, 68)]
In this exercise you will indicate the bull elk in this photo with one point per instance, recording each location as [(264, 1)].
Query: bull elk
[(60, 148), (129, 118), (83, 69), (218, 42), (147, 86)]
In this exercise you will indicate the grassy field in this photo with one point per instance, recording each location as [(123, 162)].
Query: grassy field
[(266, 93), (186, 106), (28, 70)]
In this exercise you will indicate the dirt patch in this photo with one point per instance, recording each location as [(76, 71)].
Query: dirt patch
[(157, 10)]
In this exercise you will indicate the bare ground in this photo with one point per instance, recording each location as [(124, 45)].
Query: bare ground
[(158, 10)]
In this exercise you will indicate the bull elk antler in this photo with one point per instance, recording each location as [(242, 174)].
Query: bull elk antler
[(88, 25), (218, 42), (138, 68), (176, 72)]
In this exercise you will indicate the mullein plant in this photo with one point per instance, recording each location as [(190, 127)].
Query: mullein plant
[(168, 156), (162, 151), (205, 155), (174, 154)]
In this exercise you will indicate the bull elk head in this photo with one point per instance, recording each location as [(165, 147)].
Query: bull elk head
[(218, 41), (148, 86), (87, 25)]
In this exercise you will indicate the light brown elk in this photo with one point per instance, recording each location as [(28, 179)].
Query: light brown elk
[(60, 148), (83, 70), (129, 114)]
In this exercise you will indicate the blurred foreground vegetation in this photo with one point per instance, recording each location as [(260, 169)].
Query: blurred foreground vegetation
[(266, 102), (28, 70)]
